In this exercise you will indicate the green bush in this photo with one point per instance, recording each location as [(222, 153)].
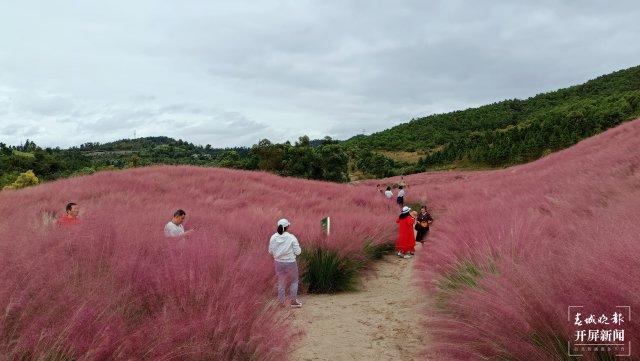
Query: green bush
[(25, 179), (326, 271)]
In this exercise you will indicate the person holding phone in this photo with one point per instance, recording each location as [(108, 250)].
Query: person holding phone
[(175, 227), (424, 219)]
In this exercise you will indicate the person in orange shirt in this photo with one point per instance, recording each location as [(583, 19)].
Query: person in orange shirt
[(71, 216)]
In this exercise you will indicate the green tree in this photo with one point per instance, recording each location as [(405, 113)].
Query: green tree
[(301, 160), (269, 155), (134, 161), (335, 161), (229, 159)]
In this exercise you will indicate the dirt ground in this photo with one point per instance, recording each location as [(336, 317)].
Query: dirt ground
[(382, 321)]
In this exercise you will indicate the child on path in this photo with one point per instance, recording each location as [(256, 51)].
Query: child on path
[(284, 248)]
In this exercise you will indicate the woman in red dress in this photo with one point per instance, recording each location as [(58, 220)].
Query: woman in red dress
[(405, 245)]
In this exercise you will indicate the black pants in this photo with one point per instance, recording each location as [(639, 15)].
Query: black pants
[(422, 233)]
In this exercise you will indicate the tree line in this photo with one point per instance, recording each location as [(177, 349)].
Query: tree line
[(30, 164)]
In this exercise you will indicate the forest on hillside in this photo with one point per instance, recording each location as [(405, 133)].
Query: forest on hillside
[(511, 131), (29, 164)]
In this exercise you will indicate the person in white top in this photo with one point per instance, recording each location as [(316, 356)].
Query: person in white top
[(284, 248), (400, 199), (388, 193), (175, 228)]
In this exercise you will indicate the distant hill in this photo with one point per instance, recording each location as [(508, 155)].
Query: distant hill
[(153, 143), (511, 131), (147, 143)]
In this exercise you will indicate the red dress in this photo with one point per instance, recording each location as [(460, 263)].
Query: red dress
[(406, 239)]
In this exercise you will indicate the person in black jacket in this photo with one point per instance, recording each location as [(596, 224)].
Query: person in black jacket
[(422, 224)]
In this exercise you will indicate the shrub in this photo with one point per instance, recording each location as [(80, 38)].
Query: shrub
[(24, 180), (376, 251), (326, 271)]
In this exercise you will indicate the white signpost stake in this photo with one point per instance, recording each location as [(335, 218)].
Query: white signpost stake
[(325, 223)]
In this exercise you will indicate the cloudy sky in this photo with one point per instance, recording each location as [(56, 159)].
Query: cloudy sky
[(230, 73)]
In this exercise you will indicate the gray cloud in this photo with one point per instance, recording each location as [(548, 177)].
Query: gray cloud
[(230, 72), (20, 130)]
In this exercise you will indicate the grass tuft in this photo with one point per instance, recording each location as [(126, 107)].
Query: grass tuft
[(375, 251), (326, 271)]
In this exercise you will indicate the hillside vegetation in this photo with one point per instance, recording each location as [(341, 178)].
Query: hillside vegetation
[(311, 159), (491, 136), (508, 132)]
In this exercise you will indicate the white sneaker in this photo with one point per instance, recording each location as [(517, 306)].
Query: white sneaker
[(399, 254), (296, 304), (407, 256)]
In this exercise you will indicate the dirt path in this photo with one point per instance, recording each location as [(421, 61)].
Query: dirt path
[(380, 322)]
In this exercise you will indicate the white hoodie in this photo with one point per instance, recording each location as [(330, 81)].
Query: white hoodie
[(284, 247)]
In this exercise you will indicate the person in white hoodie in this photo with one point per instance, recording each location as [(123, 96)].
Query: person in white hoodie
[(284, 248)]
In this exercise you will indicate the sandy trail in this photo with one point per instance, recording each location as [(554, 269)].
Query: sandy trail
[(382, 321)]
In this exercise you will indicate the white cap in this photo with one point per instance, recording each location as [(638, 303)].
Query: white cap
[(405, 209), (283, 222)]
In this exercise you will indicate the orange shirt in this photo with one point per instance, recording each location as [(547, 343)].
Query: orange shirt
[(67, 220)]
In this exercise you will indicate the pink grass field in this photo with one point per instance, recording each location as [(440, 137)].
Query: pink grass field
[(542, 236), (115, 288), (558, 232)]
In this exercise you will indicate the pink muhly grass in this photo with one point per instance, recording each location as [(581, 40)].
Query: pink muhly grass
[(511, 249), (113, 287)]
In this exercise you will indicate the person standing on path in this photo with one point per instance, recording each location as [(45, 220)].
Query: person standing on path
[(400, 199), (284, 248), (422, 224), (405, 244)]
